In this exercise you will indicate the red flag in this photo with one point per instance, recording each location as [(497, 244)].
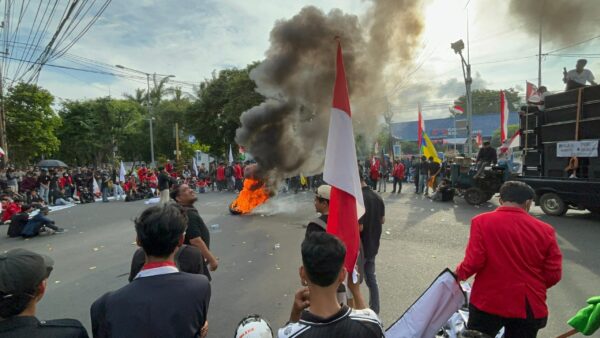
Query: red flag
[(421, 126), (346, 203), (479, 140), (456, 109), (503, 117)]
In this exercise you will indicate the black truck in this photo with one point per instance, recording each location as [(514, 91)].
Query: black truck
[(560, 151)]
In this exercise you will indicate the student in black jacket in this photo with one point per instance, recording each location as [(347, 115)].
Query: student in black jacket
[(161, 301)]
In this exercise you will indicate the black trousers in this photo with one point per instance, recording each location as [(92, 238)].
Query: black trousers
[(399, 183), (513, 327)]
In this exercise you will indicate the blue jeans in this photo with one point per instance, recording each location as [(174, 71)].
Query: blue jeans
[(422, 183), (371, 281), (105, 193), (118, 192), (44, 193)]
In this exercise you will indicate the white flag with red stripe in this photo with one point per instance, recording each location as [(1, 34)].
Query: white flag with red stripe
[(513, 142), (346, 203), (503, 117)]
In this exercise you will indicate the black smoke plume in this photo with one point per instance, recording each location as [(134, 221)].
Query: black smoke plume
[(287, 133)]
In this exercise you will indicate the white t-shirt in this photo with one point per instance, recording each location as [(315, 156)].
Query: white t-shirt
[(582, 77)]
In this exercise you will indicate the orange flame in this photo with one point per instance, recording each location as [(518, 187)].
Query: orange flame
[(252, 195)]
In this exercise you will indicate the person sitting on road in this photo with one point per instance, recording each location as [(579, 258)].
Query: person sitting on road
[(444, 192), (161, 301), (63, 199), (18, 221), (316, 311), (10, 208), (40, 225), (35, 200), (23, 279)]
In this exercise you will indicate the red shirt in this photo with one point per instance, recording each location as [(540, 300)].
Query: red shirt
[(64, 181), (514, 257), (142, 172), (221, 173), (237, 172), (169, 167), (374, 172), (399, 171), (10, 210)]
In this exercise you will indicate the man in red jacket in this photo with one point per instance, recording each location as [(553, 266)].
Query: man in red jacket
[(515, 258), (221, 183), (398, 175)]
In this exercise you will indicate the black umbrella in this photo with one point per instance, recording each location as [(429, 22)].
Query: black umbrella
[(52, 164)]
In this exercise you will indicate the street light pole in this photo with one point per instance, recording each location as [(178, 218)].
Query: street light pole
[(148, 106), (458, 47)]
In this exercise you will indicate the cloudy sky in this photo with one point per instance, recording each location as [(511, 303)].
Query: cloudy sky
[(192, 38)]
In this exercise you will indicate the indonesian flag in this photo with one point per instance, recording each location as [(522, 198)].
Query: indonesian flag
[(2, 152), (346, 204), (513, 142), (503, 117), (421, 127), (479, 140), (532, 95), (456, 110)]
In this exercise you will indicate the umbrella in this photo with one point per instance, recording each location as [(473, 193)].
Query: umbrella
[(587, 320), (52, 164)]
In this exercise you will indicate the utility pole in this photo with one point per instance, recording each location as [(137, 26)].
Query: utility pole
[(458, 47), (177, 141), (540, 54)]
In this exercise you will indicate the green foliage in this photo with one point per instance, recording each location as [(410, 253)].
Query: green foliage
[(30, 123), (94, 130), (486, 101), (495, 141), (215, 116)]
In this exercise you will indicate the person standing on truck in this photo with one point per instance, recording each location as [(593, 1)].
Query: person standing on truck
[(515, 259), (578, 77)]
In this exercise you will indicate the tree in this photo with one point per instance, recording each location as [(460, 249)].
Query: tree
[(487, 101), (94, 131), (139, 96), (30, 123), (215, 116)]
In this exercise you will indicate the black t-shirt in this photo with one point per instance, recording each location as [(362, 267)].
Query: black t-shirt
[(423, 167), (345, 323), (371, 221), (188, 259), (433, 167), (17, 223), (31, 327), (163, 181), (44, 179), (196, 227), (313, 226)]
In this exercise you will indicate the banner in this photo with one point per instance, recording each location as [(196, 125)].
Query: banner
[(588, 148), (397, 150)]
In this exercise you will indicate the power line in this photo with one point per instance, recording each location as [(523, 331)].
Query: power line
[(573, 45)]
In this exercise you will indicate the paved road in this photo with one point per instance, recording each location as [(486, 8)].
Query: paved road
[(259, 256)]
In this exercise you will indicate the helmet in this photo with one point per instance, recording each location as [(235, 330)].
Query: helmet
[(253, 326)]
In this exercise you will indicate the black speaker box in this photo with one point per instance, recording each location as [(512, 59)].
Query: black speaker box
[(569, 113), (565, 131), (569, 98), (530, 139), (532, 159)]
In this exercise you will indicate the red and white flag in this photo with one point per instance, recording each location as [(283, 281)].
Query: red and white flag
[(513, 142), (421, 127), (503, 117), (456, 110), (479, 140), (2, 153), (533, 94), (346, 204)]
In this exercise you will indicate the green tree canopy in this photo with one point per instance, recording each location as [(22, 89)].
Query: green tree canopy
[(215, 116), (486, 101), (30, 123)]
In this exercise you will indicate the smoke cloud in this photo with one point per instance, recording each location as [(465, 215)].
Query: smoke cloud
[(564, 21), (287, 134)]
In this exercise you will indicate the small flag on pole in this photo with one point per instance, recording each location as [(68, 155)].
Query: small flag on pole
[(503, 117), (122, 173), (533, 94), (230, 155), (346, 204)]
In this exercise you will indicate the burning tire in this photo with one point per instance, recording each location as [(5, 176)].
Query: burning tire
[(252, 195)]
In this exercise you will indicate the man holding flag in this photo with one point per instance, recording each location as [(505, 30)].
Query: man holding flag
[(325, 317)]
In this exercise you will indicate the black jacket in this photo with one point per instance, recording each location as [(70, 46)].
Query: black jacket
[(31, 327), (171, 305)]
